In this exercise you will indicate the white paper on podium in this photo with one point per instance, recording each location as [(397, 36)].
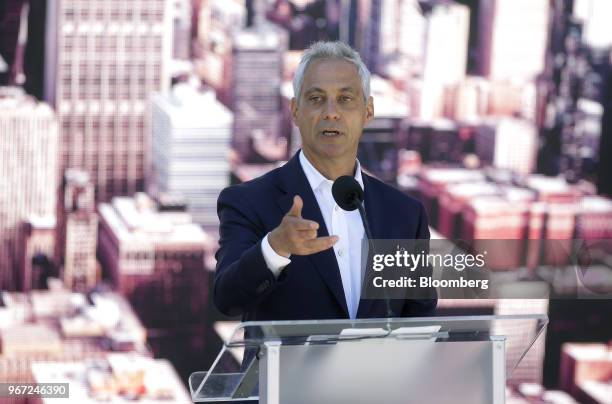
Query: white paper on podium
[(363, 332), (429, 329)]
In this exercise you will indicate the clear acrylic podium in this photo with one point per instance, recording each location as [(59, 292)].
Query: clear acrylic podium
[(432, 360)]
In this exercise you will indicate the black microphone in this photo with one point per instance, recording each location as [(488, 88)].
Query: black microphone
[(348, 194)]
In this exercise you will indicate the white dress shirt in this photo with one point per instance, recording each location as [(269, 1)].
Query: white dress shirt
[(346, 225)]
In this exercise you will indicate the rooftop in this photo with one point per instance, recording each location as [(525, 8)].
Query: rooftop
[(262, 37), (13, 100), (451, 175), (545, 184), (53, 321), (389, 102), (189, 107), (137, 220), (42, 222), (119, 378)]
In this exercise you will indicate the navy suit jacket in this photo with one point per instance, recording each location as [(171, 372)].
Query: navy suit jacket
[(309, 287)]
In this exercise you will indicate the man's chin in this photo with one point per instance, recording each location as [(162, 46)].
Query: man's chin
[(332, 152)]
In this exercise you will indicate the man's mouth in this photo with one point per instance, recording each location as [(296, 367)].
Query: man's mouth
[(330, 133)]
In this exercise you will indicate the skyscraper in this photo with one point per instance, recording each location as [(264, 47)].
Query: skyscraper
[(217, 19), (28, 169), (191, 136), (576, 103), (380, 139), (104, 60), (580, 142), (513, 36), (508, 143), (390, 35), (594, 14), (181, 29), (157, 259), (446, 42), (257, 64), (444, 61), (77, 233)]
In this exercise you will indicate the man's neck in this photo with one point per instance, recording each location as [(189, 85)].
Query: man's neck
[(333, 169)]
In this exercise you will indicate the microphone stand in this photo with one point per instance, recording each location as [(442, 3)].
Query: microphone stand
[(366, 228)]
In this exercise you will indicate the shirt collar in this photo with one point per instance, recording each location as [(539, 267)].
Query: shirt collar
[(316, 179)]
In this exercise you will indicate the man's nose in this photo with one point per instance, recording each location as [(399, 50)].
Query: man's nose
[(331, 110)]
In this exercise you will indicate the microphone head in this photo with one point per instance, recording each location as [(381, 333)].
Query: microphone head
[(347, 192)]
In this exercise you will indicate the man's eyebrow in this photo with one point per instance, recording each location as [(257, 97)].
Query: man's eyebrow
[(320, 90), (314, 90)]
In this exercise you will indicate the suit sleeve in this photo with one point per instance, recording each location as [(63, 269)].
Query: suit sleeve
[(425, 306), (242, 278)]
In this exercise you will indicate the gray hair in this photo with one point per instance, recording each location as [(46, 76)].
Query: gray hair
[(328, 50)]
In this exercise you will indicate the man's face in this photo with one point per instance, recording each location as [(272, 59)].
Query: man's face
[(331, 112)]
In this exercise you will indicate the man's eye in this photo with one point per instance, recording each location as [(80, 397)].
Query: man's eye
[(315, 98), (346, 98)]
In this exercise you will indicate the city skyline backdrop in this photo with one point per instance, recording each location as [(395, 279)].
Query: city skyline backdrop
[(121, 121)]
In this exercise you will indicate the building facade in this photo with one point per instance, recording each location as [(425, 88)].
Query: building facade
[(104, 60), (191, 138), (28, 168)]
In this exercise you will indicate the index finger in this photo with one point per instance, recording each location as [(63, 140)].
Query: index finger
[(303, 224), (320, 244)]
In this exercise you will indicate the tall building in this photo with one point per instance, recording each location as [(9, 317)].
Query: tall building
[(157, 259), (439, 140), (580, 142), (104, 60), (217, 20), (191, 136), (575, 122), (37, 251), (28, 169), (471, 99), (181, 29), (512, 39), (509, 144), (343, 18), (380, 139), (389, 34), (597, 31), (444, 58), (77, 231), (257, 65), (446, 41)]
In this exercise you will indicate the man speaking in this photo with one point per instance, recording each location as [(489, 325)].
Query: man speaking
[(287, 250)]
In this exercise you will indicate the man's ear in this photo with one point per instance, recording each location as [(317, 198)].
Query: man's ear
[(369, 113), (294, 110)]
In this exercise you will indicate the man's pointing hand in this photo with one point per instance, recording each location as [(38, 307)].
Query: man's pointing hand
[(298, 236)]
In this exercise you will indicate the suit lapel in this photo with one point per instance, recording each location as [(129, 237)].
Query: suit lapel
[(375, 215), (294, 182)]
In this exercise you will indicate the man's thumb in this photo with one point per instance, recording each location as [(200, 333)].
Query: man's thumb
[(296, 208)]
